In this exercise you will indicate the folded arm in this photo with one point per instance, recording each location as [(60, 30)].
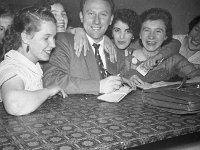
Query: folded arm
[(179, 65)]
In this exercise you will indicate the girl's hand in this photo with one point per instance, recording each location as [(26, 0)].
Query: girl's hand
[(80, 41), (153, 61), (137, 80), (53, 90)]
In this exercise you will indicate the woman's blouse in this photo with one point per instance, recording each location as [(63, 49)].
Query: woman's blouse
[(16, 64)]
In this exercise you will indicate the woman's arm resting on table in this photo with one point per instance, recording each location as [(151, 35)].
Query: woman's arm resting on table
[(18, 101)]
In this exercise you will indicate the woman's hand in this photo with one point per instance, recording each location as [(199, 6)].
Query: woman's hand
[(130, 83), (137, 80), (80, 41), (53, 90), (153, 61), (110, 48)]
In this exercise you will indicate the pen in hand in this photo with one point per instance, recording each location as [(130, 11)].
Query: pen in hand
[(122, 79)]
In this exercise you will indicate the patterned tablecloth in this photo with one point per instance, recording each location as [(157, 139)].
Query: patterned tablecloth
[(83, 122)]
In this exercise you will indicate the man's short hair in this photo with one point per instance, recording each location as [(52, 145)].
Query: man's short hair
[(82, 3)]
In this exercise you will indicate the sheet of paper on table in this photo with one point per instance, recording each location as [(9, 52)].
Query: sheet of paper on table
[(117, 95), (162, 83)]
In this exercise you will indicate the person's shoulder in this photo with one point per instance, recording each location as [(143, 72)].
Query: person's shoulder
[(7, 66), (176, 58), (7, 71), (180, 37), (62, 36)]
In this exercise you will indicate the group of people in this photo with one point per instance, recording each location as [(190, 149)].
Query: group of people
[(44, 57)]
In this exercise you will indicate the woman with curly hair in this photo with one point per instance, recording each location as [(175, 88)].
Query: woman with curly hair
[(156, 32), (124, 32)]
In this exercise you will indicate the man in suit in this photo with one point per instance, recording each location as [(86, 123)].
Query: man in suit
[(83, 74)]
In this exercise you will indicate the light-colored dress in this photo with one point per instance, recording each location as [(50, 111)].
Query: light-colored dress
[(185, 51), (16, 64)]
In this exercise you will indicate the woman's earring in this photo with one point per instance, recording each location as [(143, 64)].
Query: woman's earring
[(27, 48)]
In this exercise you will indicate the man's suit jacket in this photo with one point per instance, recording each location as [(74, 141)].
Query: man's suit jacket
[(74, 74)]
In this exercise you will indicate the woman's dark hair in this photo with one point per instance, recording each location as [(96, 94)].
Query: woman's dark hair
[(49, 3), (159, 14), (27, 20), (128, 17), (6, 12), (193, 23)]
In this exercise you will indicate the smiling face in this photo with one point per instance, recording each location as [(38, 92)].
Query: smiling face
[(153, 34), (122, 35), (5, 23), (60, 16), (42, 43), (194, 40), (96, 17)]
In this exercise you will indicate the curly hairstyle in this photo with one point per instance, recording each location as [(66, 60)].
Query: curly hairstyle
[(193, 23), (159, 14), (129, 17), (27, 20)]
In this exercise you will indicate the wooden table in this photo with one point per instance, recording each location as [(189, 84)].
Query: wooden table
[(83, 122)]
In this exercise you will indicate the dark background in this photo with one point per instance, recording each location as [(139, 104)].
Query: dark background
[(182, 10)]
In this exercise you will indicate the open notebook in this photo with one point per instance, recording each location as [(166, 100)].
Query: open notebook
[(117, 95)]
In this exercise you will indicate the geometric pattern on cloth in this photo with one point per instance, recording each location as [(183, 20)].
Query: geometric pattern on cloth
[(65, 124)]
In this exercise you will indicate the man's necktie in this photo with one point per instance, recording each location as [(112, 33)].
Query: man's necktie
[(102, 71)]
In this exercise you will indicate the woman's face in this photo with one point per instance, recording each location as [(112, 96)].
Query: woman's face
[(5, 23), (153, 34), (42, 43), (61, 17), (194, 40), (122, 35)]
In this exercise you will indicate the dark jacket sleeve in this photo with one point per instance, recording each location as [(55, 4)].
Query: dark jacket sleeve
[(167, 50), (177, 64), (170, 49), (57, 71)]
